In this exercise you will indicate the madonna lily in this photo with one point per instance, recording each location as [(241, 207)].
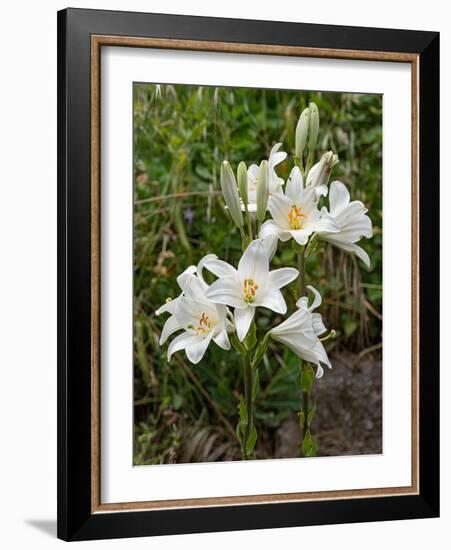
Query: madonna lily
[(295, 214), (351, 219), (200, 319), (250, 286), (275, 183), (301, 331)]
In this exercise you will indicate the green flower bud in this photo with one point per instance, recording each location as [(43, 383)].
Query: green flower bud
[(230, 193), (313, 126), (301, 132), (262, 190), (242, 182)]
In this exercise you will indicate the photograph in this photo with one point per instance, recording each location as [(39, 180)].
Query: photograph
[(257, 258)]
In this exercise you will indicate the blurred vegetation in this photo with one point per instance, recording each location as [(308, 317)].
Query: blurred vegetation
[(185, 412)]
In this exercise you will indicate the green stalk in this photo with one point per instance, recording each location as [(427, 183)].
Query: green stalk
[(305, 410), (309, 163), (248, 401), (249, 222)]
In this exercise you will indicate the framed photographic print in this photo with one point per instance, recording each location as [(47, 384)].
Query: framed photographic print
[(248, 274)]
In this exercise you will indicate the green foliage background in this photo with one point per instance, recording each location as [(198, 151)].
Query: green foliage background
[(186, 413)]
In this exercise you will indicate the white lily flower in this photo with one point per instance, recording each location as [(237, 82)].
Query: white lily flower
[(275, 183), (301, 331), (250, 286), (201, 319), (295, 214), (352, 221)]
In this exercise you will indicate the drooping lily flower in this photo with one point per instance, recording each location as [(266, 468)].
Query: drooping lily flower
[(250, 286), (295, 214), (200, 319), (301, 331), (351, 219), (275, 183)]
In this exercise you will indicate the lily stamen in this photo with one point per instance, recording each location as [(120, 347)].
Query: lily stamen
[(249, 288), (204, 324), (296, 217)]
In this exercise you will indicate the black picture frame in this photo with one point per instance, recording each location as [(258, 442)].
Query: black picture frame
[(76, 521)]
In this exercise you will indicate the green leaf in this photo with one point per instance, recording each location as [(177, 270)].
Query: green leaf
[(237, 344), (238, 432), (251, 338), (307, 443), (252, 439), (243, 411), (314, 448), (307, 378), (255, 384)]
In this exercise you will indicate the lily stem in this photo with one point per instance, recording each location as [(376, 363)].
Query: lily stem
[(305, 410), (249, 222), (248, 401)]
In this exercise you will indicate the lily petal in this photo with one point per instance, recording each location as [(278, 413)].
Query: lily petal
[(197, 350), (220, 268), (317, 299), (243, 320), (183, 278), (228, 291), (279, 207), (353, 249), (301, 235), (327, 223), (200, 268), (168, 307), (276, 156), (318, 325), (254, 263), (181, 342), (171, 326), (193, 289), (270, 243), (283, 276), (270, 228), (338, 197), (295, 185), (222, 340), (271, 298)]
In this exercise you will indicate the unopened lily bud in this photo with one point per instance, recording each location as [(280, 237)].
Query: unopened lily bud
[(230, 193), (313, 126), (262, 190), (301, 132), (242, 182)]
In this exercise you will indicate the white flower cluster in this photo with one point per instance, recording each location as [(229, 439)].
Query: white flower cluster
[(210, 313)]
